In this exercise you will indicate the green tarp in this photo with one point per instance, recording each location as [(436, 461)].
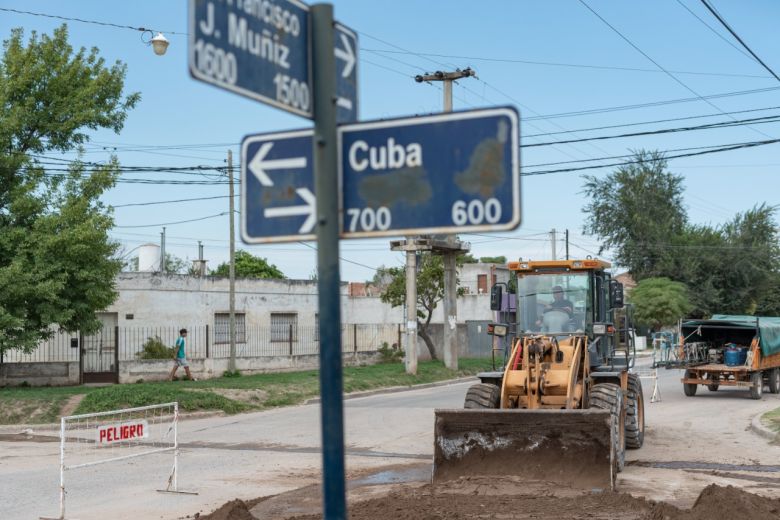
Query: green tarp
[(768, 328)]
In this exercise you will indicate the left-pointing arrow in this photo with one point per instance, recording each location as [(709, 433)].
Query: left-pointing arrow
[(346, 54), (259, 165), (291, 211)]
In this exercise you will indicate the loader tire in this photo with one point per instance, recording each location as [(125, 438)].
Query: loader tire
[(774, 380), (482, 395), (608, 396), (635, 414)]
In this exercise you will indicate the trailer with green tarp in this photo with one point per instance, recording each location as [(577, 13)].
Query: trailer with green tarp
[(730, 350)]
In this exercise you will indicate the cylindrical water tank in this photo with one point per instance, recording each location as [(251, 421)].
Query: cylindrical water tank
[(149, 258)]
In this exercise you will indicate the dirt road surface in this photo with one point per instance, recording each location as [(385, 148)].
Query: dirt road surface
[(691, 442)]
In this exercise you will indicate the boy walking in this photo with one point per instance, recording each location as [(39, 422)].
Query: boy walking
[(179, 356)]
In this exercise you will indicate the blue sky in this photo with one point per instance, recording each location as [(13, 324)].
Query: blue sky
[(544, 57)]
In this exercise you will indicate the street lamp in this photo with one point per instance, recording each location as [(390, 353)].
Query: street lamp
[(159, 44)]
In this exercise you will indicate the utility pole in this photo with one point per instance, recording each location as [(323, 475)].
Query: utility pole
[(232, 270), (162, 251), (452, 247), (567, 244), (552, 243)]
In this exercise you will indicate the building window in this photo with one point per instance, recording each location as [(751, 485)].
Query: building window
[(284, 326), (481, 283), (222, 327)]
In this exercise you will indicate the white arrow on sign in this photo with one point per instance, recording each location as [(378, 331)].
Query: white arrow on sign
[(344, 103), (291, 211), (346, 54), (258, 165)]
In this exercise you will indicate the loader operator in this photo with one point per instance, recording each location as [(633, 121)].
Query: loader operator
[(559, 303)]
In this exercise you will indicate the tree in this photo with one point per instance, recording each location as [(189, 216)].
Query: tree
[(57, 262), (635, 210), (430, 291), (493, 259), (659, 302), (249, 266)]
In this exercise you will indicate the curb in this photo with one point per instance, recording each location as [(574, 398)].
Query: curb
[(760, 429), (397, 389), (21, 428)]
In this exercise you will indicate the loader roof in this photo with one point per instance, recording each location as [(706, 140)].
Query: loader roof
[(588, 264)]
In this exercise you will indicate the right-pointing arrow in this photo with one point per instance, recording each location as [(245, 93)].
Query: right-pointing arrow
[(346, 54), (291, 211), (258, 165)]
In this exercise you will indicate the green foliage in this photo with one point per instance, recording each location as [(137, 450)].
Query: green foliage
[(228, 373), (493, 259), (57, 263), (249, 266), (154, 348), (659, 302), (129, 396), (637, 212), (467, 258), (388, 354)]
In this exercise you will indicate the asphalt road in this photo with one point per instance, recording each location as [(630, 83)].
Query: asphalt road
[(706, 439)]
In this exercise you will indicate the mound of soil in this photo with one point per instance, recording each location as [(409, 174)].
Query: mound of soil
[(484, 498), (723, 502)]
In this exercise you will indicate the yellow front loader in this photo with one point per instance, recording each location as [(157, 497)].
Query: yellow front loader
[(565, 406)]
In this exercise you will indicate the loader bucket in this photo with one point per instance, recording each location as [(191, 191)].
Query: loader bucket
[(571, 447)]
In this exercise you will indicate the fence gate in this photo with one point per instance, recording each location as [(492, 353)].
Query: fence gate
[(99, 353), (480, 344)]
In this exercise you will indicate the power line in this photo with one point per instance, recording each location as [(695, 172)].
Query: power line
[(623, 163), (174, 223), (643, 53), (642, 123), (168, 201), (81, 20), (709, 126), (555, 64), (716, 33), (735, 35)]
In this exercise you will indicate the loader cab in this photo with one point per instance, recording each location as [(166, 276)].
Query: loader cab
[(562, 297)]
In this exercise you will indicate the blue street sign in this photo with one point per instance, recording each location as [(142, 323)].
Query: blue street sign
[(346, 45), (277, 187), (440, 174), (262, 50)]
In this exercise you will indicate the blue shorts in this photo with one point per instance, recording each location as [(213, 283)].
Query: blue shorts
[(181, 362)]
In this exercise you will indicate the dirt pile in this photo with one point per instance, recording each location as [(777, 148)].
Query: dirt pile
[(479, 498), (722, 502)]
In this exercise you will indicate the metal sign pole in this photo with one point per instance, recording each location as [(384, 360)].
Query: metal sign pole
[(327, 190)]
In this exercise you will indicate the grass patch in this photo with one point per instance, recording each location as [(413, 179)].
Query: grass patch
[(772, 419), (226, 394)]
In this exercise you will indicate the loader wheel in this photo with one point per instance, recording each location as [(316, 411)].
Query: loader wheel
[(757, 390), (482, 395), (774, 381), (689, 388), (635, 413), (608, 396)]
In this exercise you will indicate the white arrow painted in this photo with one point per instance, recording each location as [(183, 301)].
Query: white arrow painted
[(258, 165), (344, 103), (346, 54), (290, 211)]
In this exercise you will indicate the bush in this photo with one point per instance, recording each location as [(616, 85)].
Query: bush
[(389, 354), (154, 348), (228, 373)]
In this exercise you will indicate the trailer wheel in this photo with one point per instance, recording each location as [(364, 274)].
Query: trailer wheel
[(608, 396), (774, 381), (635, 413), (689, 388), (482, 395), (757, 388)]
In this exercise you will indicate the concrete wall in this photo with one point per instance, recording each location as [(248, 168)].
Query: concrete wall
[(40, 374), (158, 370)]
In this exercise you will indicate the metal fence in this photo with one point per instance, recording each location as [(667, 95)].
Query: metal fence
[(203, 341)]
